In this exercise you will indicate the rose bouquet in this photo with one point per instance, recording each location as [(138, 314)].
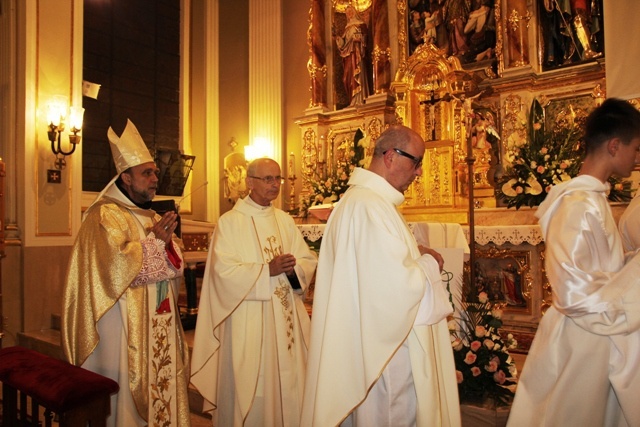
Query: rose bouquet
[(484, 368)]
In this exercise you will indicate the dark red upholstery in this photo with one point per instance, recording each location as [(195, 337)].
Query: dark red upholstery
[(55, 384)]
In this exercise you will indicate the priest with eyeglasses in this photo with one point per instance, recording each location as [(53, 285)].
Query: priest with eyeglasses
[(252, 333), (380, 351)]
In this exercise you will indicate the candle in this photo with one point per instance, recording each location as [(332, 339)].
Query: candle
[(292, 165), (321, 150)]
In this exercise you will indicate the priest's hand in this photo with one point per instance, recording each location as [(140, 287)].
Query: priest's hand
[(434, 254), (164, 228), (282, 264)]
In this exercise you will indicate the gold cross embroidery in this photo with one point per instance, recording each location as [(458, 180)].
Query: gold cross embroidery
[(282, 292)]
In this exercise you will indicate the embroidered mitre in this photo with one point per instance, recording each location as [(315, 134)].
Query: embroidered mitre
[(129, 149)]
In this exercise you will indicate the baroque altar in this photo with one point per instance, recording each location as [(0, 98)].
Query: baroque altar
[(464, 74), (469, 90)]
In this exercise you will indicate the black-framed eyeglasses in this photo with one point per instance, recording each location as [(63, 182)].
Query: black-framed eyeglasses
[(269, 179), (417, 161)]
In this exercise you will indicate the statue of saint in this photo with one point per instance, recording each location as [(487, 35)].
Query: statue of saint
[(351, 45)]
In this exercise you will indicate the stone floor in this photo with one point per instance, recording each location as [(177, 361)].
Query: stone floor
[(200, 421)]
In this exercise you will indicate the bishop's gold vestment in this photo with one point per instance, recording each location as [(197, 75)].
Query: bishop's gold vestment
[(120, 317)]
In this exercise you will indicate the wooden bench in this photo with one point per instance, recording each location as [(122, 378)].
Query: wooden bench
[(30, 379)]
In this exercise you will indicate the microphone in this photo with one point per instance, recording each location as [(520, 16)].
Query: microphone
[(204, 184)]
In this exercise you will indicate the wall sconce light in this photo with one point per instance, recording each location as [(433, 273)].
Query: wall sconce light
[(259, 148), (57, 113)]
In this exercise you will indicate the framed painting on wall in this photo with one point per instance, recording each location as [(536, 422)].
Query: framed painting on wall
[(505, 276), (467, 30)]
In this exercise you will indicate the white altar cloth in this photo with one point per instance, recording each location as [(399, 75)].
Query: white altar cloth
[(431, 234), (501, 234), (449, 235)]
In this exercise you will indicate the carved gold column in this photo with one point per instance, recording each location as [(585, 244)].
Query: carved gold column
[(518, 17), (518, 24), (317, 64), (402, 35), (381, 49)]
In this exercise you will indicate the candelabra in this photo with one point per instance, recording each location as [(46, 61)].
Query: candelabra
[(292, 193), (292, 182)]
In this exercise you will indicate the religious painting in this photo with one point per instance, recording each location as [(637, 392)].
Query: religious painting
[(465, 29), (504, 275), (352, 41), (572, 32), (514, 279)]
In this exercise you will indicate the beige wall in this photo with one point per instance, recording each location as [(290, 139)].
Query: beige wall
[(33, 275), (45, 269), (12, 279), (40, 216)]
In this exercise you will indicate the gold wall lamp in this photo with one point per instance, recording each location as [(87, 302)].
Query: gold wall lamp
[(59, 114)]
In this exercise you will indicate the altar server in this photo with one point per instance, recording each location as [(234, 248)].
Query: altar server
[(120, 317), (583, 367), (380, 350), (251, 339)]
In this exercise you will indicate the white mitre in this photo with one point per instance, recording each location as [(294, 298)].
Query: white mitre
[(129, 149)]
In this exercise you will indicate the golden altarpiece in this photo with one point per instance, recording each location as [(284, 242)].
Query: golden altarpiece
[(455, 86)]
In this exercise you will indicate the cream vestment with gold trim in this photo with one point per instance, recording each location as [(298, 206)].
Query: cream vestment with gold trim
[(250, 346)]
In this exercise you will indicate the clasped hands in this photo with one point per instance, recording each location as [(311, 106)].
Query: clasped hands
[(282, 264), (164, 228), (435, 254)]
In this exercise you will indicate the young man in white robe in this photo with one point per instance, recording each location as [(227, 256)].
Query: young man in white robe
[(380, 350), (120, 316), (250, 345), (583, 368)]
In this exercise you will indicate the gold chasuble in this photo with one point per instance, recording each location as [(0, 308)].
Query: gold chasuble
[(250, 347), (120, 317)]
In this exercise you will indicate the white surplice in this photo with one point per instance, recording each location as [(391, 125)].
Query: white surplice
[(379, 327), (251, 339), (583, 368)]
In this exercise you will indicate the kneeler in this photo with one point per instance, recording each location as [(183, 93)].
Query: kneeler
[(79, 397)]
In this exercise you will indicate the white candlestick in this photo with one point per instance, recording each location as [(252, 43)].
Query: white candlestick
[(292, 164)]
